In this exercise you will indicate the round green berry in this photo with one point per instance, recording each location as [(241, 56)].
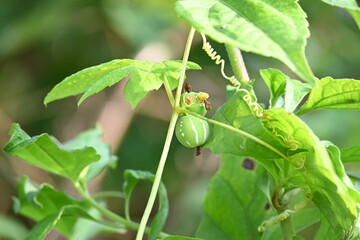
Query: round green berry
[(191, 131)]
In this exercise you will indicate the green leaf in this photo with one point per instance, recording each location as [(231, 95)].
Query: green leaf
[(351, 154), (271, 28), (334, 153), (92, 138), (132, 177), (317, 172), (49, 207), (37, 204), (145, 76), (278, 84), (349, 5), (11, 229), (43, 227), (234, 206), (237, 113), (45, 152), (333, 94)]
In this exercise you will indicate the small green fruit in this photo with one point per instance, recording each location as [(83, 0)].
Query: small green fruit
[(191, 131)]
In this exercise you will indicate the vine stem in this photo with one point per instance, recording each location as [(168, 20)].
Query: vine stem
[(170, 133), (237, 64), (287, 228)]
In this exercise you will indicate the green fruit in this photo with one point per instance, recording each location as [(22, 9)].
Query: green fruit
[(191, 131)]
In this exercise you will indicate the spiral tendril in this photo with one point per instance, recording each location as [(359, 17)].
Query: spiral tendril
[(210, 51), (248, 98)]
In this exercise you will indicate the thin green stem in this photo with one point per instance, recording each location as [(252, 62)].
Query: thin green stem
[(170, 133), (169, 92), (236, 130), (237, 64), (287, 228), (109, 194), (110, 215)]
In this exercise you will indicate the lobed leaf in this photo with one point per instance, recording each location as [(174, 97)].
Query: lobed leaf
[(45, 152), (132, 177), (333, 94), (145, 76), (271, 28)]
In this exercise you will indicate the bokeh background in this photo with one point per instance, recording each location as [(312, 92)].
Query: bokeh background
[(42, 42)]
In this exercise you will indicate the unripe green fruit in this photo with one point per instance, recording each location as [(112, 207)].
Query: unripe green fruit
[(191, 131)]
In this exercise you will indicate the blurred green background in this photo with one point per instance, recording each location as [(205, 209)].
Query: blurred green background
[(42, 42)]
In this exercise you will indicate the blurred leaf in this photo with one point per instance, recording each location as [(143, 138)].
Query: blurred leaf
[(132, 177), (40, 23), (349, 5), (37, 204), (11, 229), (92, 138), (351, 154), (49, 207), (279, 83), (270, 28), (326, 231), (179, 238), (43, 227), (46, 153), (234, 206), (145, 76), (333, 94)]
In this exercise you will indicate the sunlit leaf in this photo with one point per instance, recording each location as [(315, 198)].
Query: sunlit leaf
[(333, 94), (270, 28), (45, 152), (144, 77)]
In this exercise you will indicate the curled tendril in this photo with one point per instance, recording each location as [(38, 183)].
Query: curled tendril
[(288, 140), (252, 102), (210, 51)]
